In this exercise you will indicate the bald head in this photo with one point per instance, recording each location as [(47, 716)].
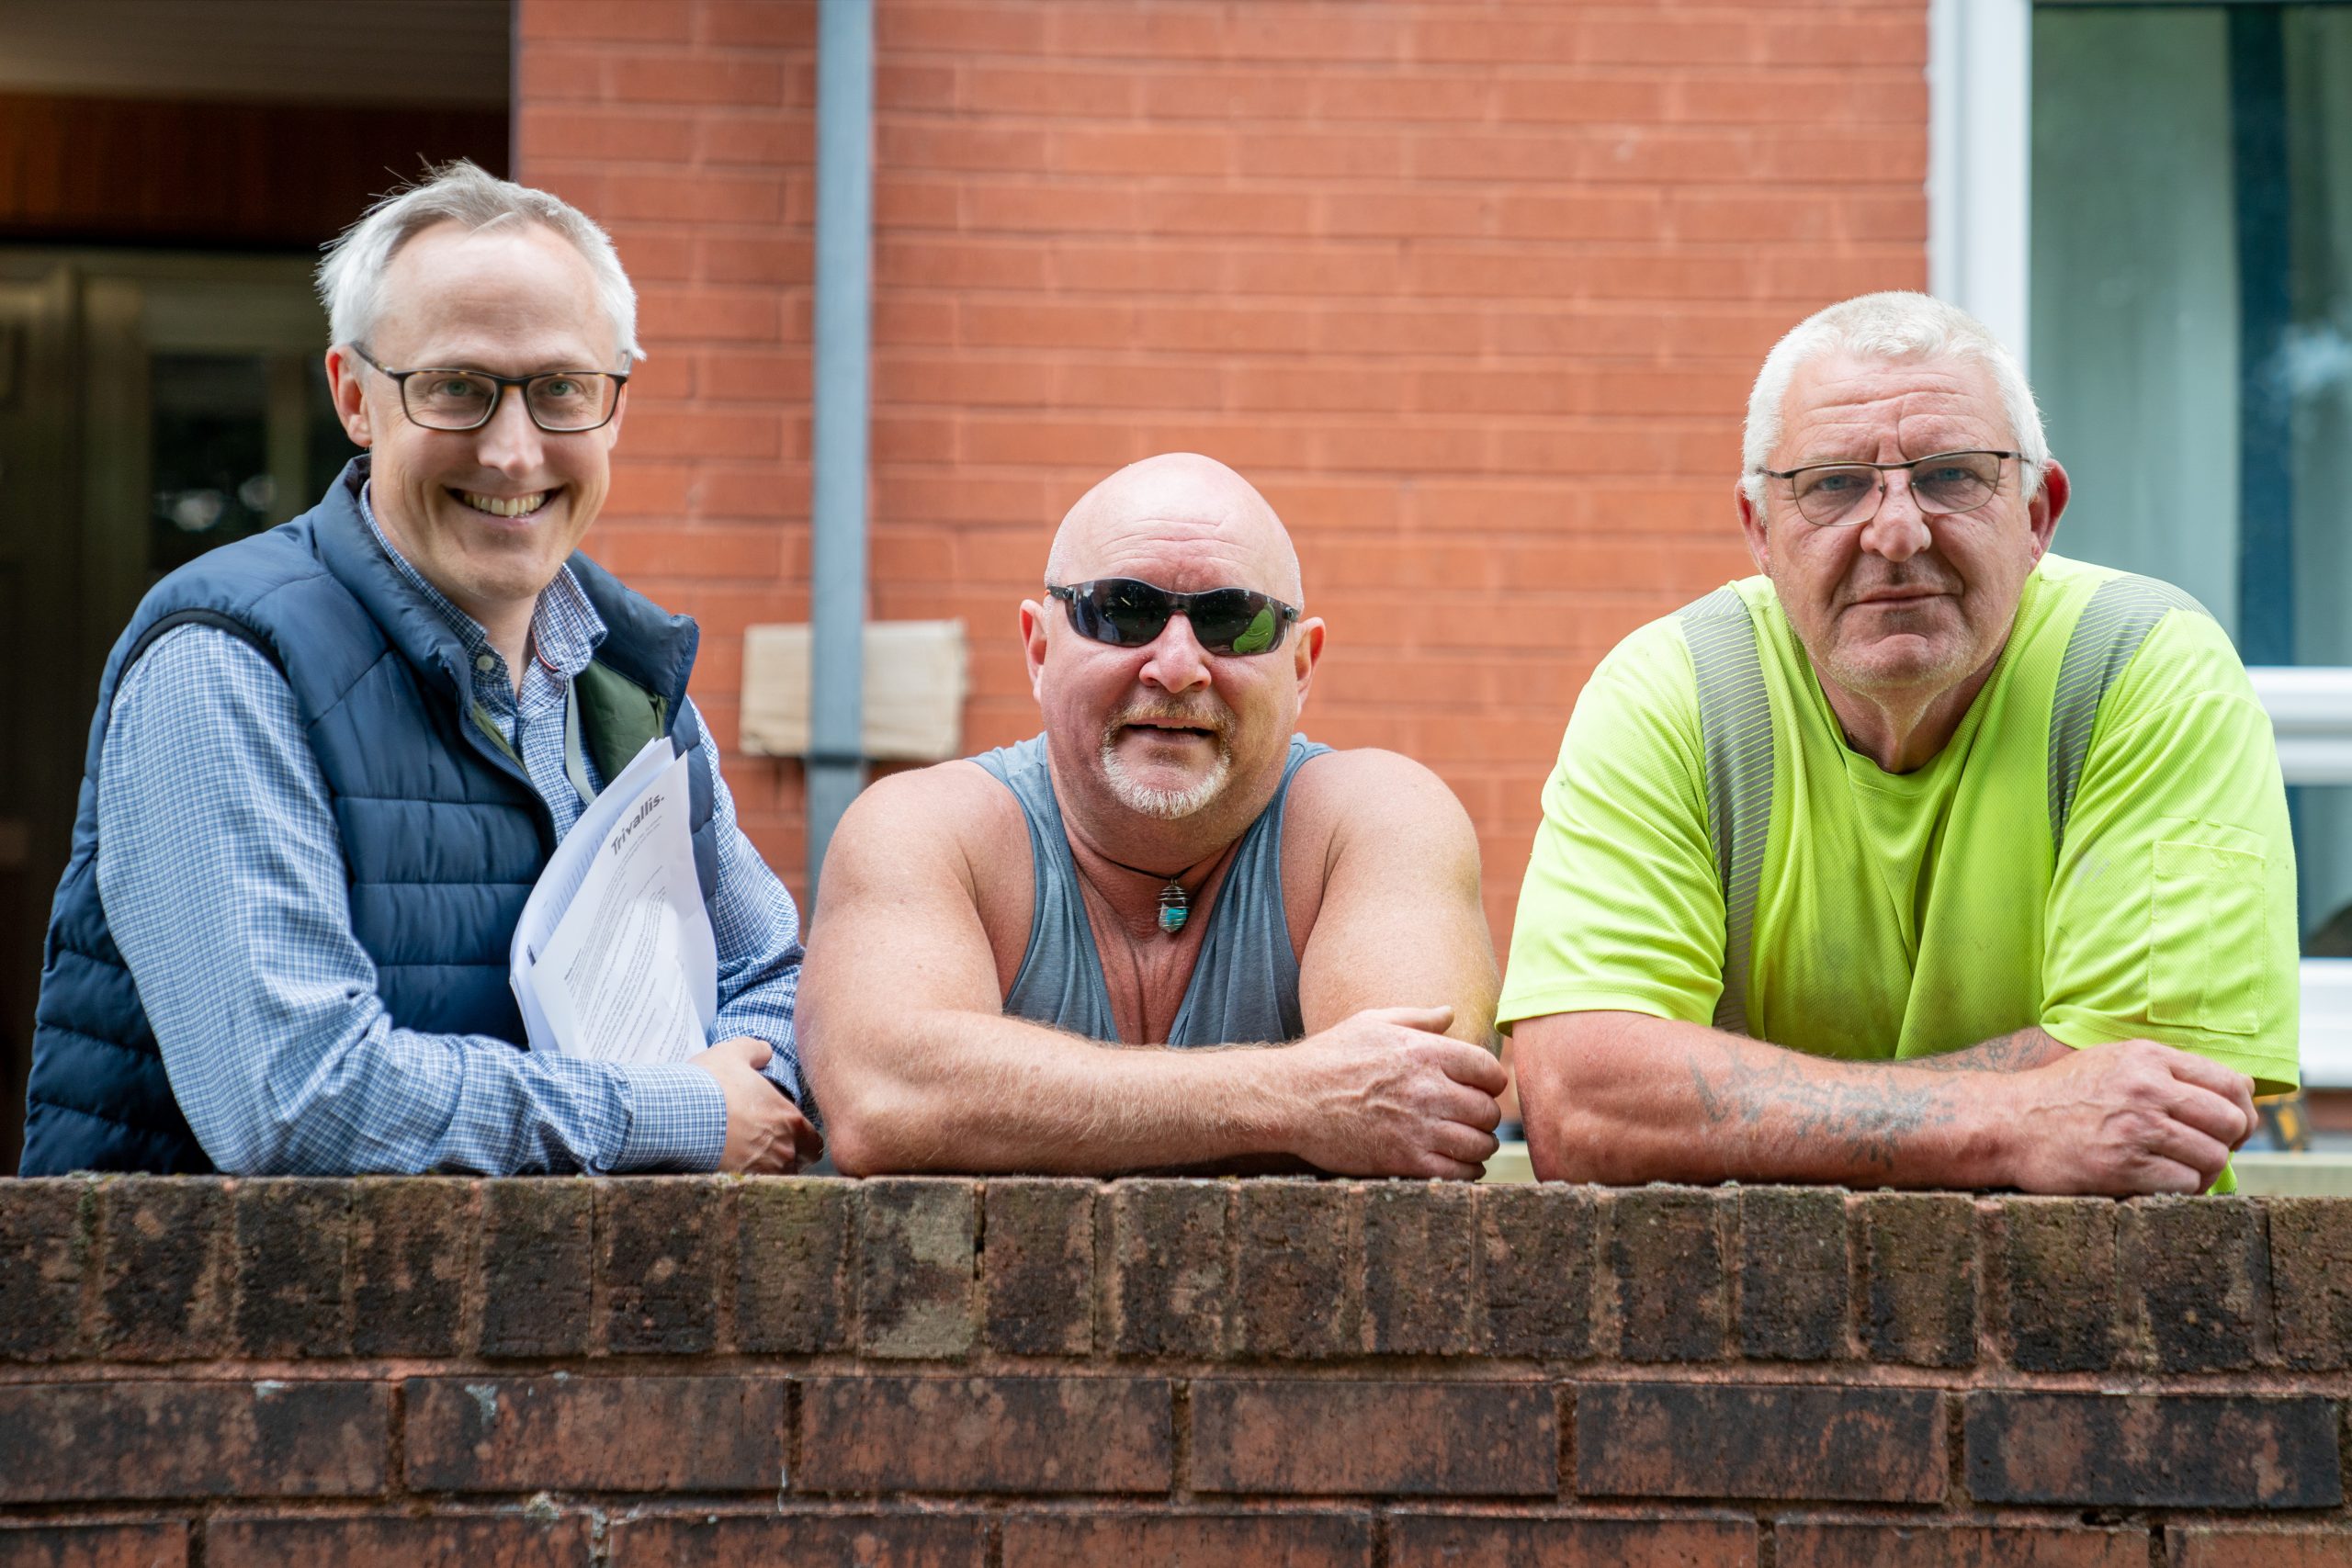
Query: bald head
[(1183, 508)]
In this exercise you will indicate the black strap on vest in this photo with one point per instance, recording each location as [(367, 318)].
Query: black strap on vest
[(213, 619)]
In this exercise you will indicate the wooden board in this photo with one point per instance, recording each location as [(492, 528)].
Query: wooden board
[(916, 676)]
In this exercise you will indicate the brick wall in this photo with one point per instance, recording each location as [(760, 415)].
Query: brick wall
[(1031, 1372), (1472, 289)]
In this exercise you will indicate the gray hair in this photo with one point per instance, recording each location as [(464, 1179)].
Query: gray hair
[(1893, 326), (351, 279)]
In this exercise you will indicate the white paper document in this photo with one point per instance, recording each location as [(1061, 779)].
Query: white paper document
[(613, 956)]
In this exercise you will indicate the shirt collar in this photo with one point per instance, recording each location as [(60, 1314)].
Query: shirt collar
[(565, 627)]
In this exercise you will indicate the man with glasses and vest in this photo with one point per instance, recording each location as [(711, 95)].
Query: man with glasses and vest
[(1927, 858), (330, 761), (1168, 932)]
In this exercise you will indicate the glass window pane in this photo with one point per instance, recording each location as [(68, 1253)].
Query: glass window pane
[(2318, 371), (2318, 375), (2141, 354), (2134, 304), (211, 434)]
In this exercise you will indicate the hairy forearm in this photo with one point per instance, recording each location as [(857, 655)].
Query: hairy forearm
[(970, 1092), (2026, 1049), (1622, 1098)]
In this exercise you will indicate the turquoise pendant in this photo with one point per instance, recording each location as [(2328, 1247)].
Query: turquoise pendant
[(1175, 907)]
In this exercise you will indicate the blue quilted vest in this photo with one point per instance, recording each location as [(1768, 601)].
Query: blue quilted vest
[(443, 834)]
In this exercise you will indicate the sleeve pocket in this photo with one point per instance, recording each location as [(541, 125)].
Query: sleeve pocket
[(2207, 943)]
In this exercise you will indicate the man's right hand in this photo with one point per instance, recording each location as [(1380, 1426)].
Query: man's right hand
[(2129, 1118), (1388, 1092), (766, 1134)]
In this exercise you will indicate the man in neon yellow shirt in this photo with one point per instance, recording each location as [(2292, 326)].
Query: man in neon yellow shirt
[(1927, 858)]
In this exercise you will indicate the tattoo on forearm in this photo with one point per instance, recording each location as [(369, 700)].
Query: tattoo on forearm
[(1856, 1119), (1861, 1117), (2017, 1053)]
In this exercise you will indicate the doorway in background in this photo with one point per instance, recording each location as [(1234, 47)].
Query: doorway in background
[(152, 408)]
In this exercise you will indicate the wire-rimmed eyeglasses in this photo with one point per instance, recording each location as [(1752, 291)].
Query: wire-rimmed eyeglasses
[(1845, 495)]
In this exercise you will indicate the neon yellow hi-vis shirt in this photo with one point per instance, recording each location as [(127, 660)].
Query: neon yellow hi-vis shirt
[(1900, 915)]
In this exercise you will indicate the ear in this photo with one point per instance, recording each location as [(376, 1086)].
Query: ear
[(2042, 512), (1754, 527), (1306, 650), (1033, 641), (347, 382)]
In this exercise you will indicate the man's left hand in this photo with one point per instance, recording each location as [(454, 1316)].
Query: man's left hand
[(765, 1136)]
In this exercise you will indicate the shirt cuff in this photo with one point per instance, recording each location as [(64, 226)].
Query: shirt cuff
[(677, 1120), (783, 1070)]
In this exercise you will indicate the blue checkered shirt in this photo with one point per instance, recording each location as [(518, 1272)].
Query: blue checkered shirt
[(224, 886)]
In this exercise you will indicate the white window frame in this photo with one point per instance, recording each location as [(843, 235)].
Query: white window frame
[(1980, 161), (2311, 712)]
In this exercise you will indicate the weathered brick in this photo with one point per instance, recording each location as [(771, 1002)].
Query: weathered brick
[(2311, 1279), (1429, 1541), (162, 1291), (770, 1539), (68, 1441), (353, 1540), (951, 1433), (1038, 1267), (412, 1252), (1810, 1544), (2197, 1546), (538, 1267), (654, 1247), (94, 1545), (1538, 1246), (915, 1262), (1666, 1263), (44, 1247), (621, 1434), (2059, 1270), (1420, 1284), (292, 1241), (2153, 1450), (1295, 1437), (1173, 1540), (2200, 1272), (1828, 1444), (1168, 1271), (1919, 1249), (1297, 1261), (792, 1265), (1793, 1273)]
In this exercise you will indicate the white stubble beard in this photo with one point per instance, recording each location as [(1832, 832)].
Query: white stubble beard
[(1164, 805)]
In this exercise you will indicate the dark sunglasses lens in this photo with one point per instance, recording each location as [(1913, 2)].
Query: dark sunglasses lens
[(1124, 614), (1235, 620)]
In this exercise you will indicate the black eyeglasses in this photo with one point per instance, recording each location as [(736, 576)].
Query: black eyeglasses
[(1845, 495), (1127, 613), (562, 402)]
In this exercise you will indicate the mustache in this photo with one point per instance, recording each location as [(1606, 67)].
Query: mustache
[(1214, 718), (1915, 575)]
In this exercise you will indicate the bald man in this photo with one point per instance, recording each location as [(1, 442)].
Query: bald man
[(1072, 956)]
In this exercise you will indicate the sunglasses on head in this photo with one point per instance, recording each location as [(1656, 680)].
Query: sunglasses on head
[(1127, 613)]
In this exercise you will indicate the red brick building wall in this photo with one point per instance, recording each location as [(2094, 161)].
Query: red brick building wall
[(1472, 289)]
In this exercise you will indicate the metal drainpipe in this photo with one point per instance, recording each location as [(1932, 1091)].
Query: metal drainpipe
[(836, 760)]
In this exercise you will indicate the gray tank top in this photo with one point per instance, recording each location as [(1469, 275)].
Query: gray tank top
[(1245, 983)]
